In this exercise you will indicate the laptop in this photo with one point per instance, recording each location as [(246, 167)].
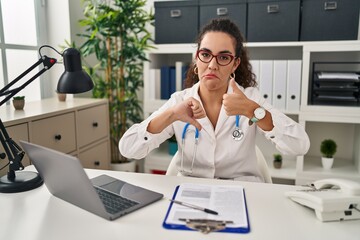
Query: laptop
[(104, 196)]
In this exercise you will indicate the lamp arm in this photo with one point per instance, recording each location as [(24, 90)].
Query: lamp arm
[(48, 63), (13, 151)]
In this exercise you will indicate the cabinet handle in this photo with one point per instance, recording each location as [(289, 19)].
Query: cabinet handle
[(278, 96), (265, 96), (330, 6), (293, 97), (97, 163), (175, 13), (58, 137), (95, 124), (222, 11), (273, 8)]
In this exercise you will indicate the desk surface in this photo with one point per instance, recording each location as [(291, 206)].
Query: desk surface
[(37, 215)]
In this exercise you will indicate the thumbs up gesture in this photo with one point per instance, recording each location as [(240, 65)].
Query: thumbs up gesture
[(237, 103)]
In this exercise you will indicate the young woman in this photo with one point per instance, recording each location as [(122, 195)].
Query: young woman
[(216, 118)]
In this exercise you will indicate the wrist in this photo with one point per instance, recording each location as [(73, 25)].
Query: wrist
[(259, 113)]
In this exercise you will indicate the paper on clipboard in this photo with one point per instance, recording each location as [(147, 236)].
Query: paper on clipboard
[(228, 200)]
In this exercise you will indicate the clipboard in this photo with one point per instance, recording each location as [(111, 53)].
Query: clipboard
[(220, 225)]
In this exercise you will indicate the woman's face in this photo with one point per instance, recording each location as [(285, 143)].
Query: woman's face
[(212, 75)]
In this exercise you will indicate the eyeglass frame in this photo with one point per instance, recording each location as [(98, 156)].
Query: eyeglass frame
[(215, 56)]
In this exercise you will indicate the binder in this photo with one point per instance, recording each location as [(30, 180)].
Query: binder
[(154, 84), (172, 86), (266, 79), (181, 70), (245, 228), (167, 81), (279, 84), (293, 86)]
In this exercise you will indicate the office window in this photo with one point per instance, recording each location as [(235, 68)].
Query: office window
[(20, 39)]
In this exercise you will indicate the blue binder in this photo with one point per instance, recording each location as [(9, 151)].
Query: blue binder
[(184, 227)]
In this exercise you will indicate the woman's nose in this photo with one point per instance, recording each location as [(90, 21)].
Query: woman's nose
[(213, 64)]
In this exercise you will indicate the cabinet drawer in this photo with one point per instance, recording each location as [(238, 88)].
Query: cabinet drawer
[(96, 157), (92, 124), (16, 132), (55, 132)]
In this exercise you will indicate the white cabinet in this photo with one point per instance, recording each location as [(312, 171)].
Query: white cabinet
[(78, 126), (340, 123)]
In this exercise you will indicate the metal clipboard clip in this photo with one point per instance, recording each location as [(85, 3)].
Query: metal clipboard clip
[(206, 225)]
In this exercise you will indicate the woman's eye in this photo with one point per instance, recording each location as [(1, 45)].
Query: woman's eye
[(205, 55), (224, 57)]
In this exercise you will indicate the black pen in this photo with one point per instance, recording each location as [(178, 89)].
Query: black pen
[(194, 206)]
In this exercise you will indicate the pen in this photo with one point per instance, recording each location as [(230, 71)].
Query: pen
[(194, 206)]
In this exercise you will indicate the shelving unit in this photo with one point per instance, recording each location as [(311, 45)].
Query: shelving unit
[(340, 123)]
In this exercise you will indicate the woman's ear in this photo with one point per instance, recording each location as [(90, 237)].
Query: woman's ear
[(236, 63)]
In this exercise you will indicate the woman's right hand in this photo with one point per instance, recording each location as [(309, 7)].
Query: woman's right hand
[(188, 111)]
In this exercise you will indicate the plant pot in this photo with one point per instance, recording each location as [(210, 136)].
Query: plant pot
[(172, 148), (327, 162), (61, 97), (277, 164), (125, 166), (19, 104)]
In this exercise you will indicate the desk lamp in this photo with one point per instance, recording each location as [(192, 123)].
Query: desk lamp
[(73, 80)]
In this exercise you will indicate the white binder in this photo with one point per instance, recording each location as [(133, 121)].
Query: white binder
[(279, 84), (293, 86), (266, 79)]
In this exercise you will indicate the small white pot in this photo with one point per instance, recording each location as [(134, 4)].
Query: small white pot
[(124, 167), (327, 162)]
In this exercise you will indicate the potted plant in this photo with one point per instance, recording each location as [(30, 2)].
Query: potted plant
[(19, 102), (116, 33), (328, 150), (277, 160)]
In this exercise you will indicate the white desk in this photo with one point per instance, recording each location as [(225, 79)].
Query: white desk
[(37, 215)]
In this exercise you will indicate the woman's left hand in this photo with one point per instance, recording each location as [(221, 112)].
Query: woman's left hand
[(237, 103)]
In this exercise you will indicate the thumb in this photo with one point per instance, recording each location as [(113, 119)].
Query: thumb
[(195, 124), (234, 86)]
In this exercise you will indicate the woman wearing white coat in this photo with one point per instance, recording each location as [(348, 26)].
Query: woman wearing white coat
[(226, 108)]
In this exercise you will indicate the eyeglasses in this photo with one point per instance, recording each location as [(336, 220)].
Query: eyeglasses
[(222, 59)]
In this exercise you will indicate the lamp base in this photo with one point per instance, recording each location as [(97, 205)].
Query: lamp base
[(24, 181)]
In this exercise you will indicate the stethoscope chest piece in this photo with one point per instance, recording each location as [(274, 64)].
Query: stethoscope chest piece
[(237, 134)]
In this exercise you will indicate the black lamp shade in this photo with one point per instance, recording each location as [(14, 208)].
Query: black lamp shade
[(74, 79)]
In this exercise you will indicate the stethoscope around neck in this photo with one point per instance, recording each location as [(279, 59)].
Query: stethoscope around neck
[(237, 135)]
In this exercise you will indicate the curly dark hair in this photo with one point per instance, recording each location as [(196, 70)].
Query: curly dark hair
[(243, 74)]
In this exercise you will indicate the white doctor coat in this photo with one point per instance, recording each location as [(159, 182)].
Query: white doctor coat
[(218, 155)]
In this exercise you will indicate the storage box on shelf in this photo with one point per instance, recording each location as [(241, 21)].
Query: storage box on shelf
[(77, 126), (270, 20), (329, 20), (236, 10), (176, 21)]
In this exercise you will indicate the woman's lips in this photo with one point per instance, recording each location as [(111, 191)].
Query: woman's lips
[(210, 75)]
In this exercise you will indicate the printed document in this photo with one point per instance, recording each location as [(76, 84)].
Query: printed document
[(227, 200)]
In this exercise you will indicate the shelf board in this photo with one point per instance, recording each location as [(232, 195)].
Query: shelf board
[(314, 46), (287, 170), (341, 168)]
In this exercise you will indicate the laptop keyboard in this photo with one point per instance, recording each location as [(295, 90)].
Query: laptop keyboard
[(114, 203)]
